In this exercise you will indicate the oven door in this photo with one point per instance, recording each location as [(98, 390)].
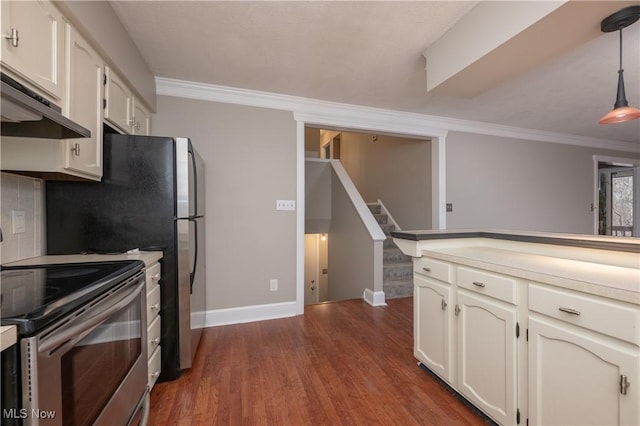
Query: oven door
[(90, 367)]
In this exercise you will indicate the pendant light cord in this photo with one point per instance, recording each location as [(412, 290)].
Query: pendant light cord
[(620, 31)]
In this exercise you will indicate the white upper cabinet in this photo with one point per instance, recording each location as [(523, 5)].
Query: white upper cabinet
[(141, 119), (118, 107), (84, 104), (122, 110), (32, 44)]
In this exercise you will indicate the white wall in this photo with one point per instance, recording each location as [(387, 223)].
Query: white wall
[(250, 158), (504, 183), (22, 194)]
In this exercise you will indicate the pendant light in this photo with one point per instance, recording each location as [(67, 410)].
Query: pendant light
[(617, 22)]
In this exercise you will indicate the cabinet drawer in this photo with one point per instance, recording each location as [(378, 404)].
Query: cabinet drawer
[(153, 335), (500, 287), (153, 304), (153, 366), (433, 268), (153, 276), (614, 319)]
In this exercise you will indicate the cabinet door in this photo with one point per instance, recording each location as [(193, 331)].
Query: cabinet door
[(487, 355), (141, 119), (36, 53), (433, 326), (84, 104), (119, 102), (574, 377)]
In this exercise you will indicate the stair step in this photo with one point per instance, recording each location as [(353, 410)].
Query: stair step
[(381, 218), (387, 228), (397, 289), (374, 207), (388, 243), (397, 271), (395, 255)]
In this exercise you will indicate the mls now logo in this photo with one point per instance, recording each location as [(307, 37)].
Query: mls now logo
[(23, 413)]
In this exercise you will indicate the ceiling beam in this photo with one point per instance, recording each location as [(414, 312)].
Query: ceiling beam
[(498, 41)]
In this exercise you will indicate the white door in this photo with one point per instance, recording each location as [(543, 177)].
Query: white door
[(432, 326), (487, 355), (575, 377), (311, 270), (84, 104)]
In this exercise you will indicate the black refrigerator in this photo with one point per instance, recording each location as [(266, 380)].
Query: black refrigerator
[(151, 197)]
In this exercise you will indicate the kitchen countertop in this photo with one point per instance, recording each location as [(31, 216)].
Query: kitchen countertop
[(148, 257), (603, 266), (601, 242), (7, 336)]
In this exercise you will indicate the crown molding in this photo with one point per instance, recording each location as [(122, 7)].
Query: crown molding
[(355, 117)]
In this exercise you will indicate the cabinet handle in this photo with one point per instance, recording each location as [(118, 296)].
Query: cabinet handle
[(457, 310), (624, 384), (426, 269), (478, 284), (76, 150), (155, 307), (443, 304), (155, 374), (155, 277), (156, 341), (137, 125), (569, 311), (13, 38)]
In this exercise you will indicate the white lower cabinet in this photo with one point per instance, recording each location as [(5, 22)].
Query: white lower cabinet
[(487, 355), (584, 359), (153, 324), (528, 353), (468, 336), (432, 333), (576, 378)]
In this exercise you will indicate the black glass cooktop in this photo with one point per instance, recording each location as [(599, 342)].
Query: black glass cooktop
[(34, 296)]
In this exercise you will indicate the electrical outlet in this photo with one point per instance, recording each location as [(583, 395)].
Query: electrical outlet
[(273, 285), (449, 207), (285, 204)]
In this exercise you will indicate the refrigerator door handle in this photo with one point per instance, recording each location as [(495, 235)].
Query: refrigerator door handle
[(195, 180), (192, 274)]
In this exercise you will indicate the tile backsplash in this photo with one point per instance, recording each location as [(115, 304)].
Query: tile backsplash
[(21, 198)]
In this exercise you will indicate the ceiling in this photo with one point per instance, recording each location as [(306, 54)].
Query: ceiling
[(371, 54)]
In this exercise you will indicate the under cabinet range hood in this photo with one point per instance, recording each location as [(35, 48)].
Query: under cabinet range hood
[(27, 114)]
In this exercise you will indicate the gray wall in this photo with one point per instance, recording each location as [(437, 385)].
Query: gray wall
[(351, 249), (505, 183), (250, 156), (317, 196), (395, 170)]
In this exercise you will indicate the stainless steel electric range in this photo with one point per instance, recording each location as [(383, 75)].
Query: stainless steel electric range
[(82, 343)]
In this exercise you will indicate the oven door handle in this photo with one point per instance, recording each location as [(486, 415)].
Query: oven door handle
[(75, 333)]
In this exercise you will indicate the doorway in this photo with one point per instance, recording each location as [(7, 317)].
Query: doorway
[(618, 198), (316, 270)]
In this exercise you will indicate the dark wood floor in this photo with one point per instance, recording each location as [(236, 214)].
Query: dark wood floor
[(339, 363)]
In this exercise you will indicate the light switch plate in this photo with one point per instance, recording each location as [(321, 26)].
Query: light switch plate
[(285, 204), (18, 222)]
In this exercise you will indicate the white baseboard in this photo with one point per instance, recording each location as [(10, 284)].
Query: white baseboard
[(245, 314), (376, 298)]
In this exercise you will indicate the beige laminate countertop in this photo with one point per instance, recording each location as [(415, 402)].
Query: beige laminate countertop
[(148, 257), (7, 336), (615, 282)]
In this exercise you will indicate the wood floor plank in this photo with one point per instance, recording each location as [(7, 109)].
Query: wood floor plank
[(342, 363)]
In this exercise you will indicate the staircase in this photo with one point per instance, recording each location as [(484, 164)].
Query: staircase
[(397, 277)]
